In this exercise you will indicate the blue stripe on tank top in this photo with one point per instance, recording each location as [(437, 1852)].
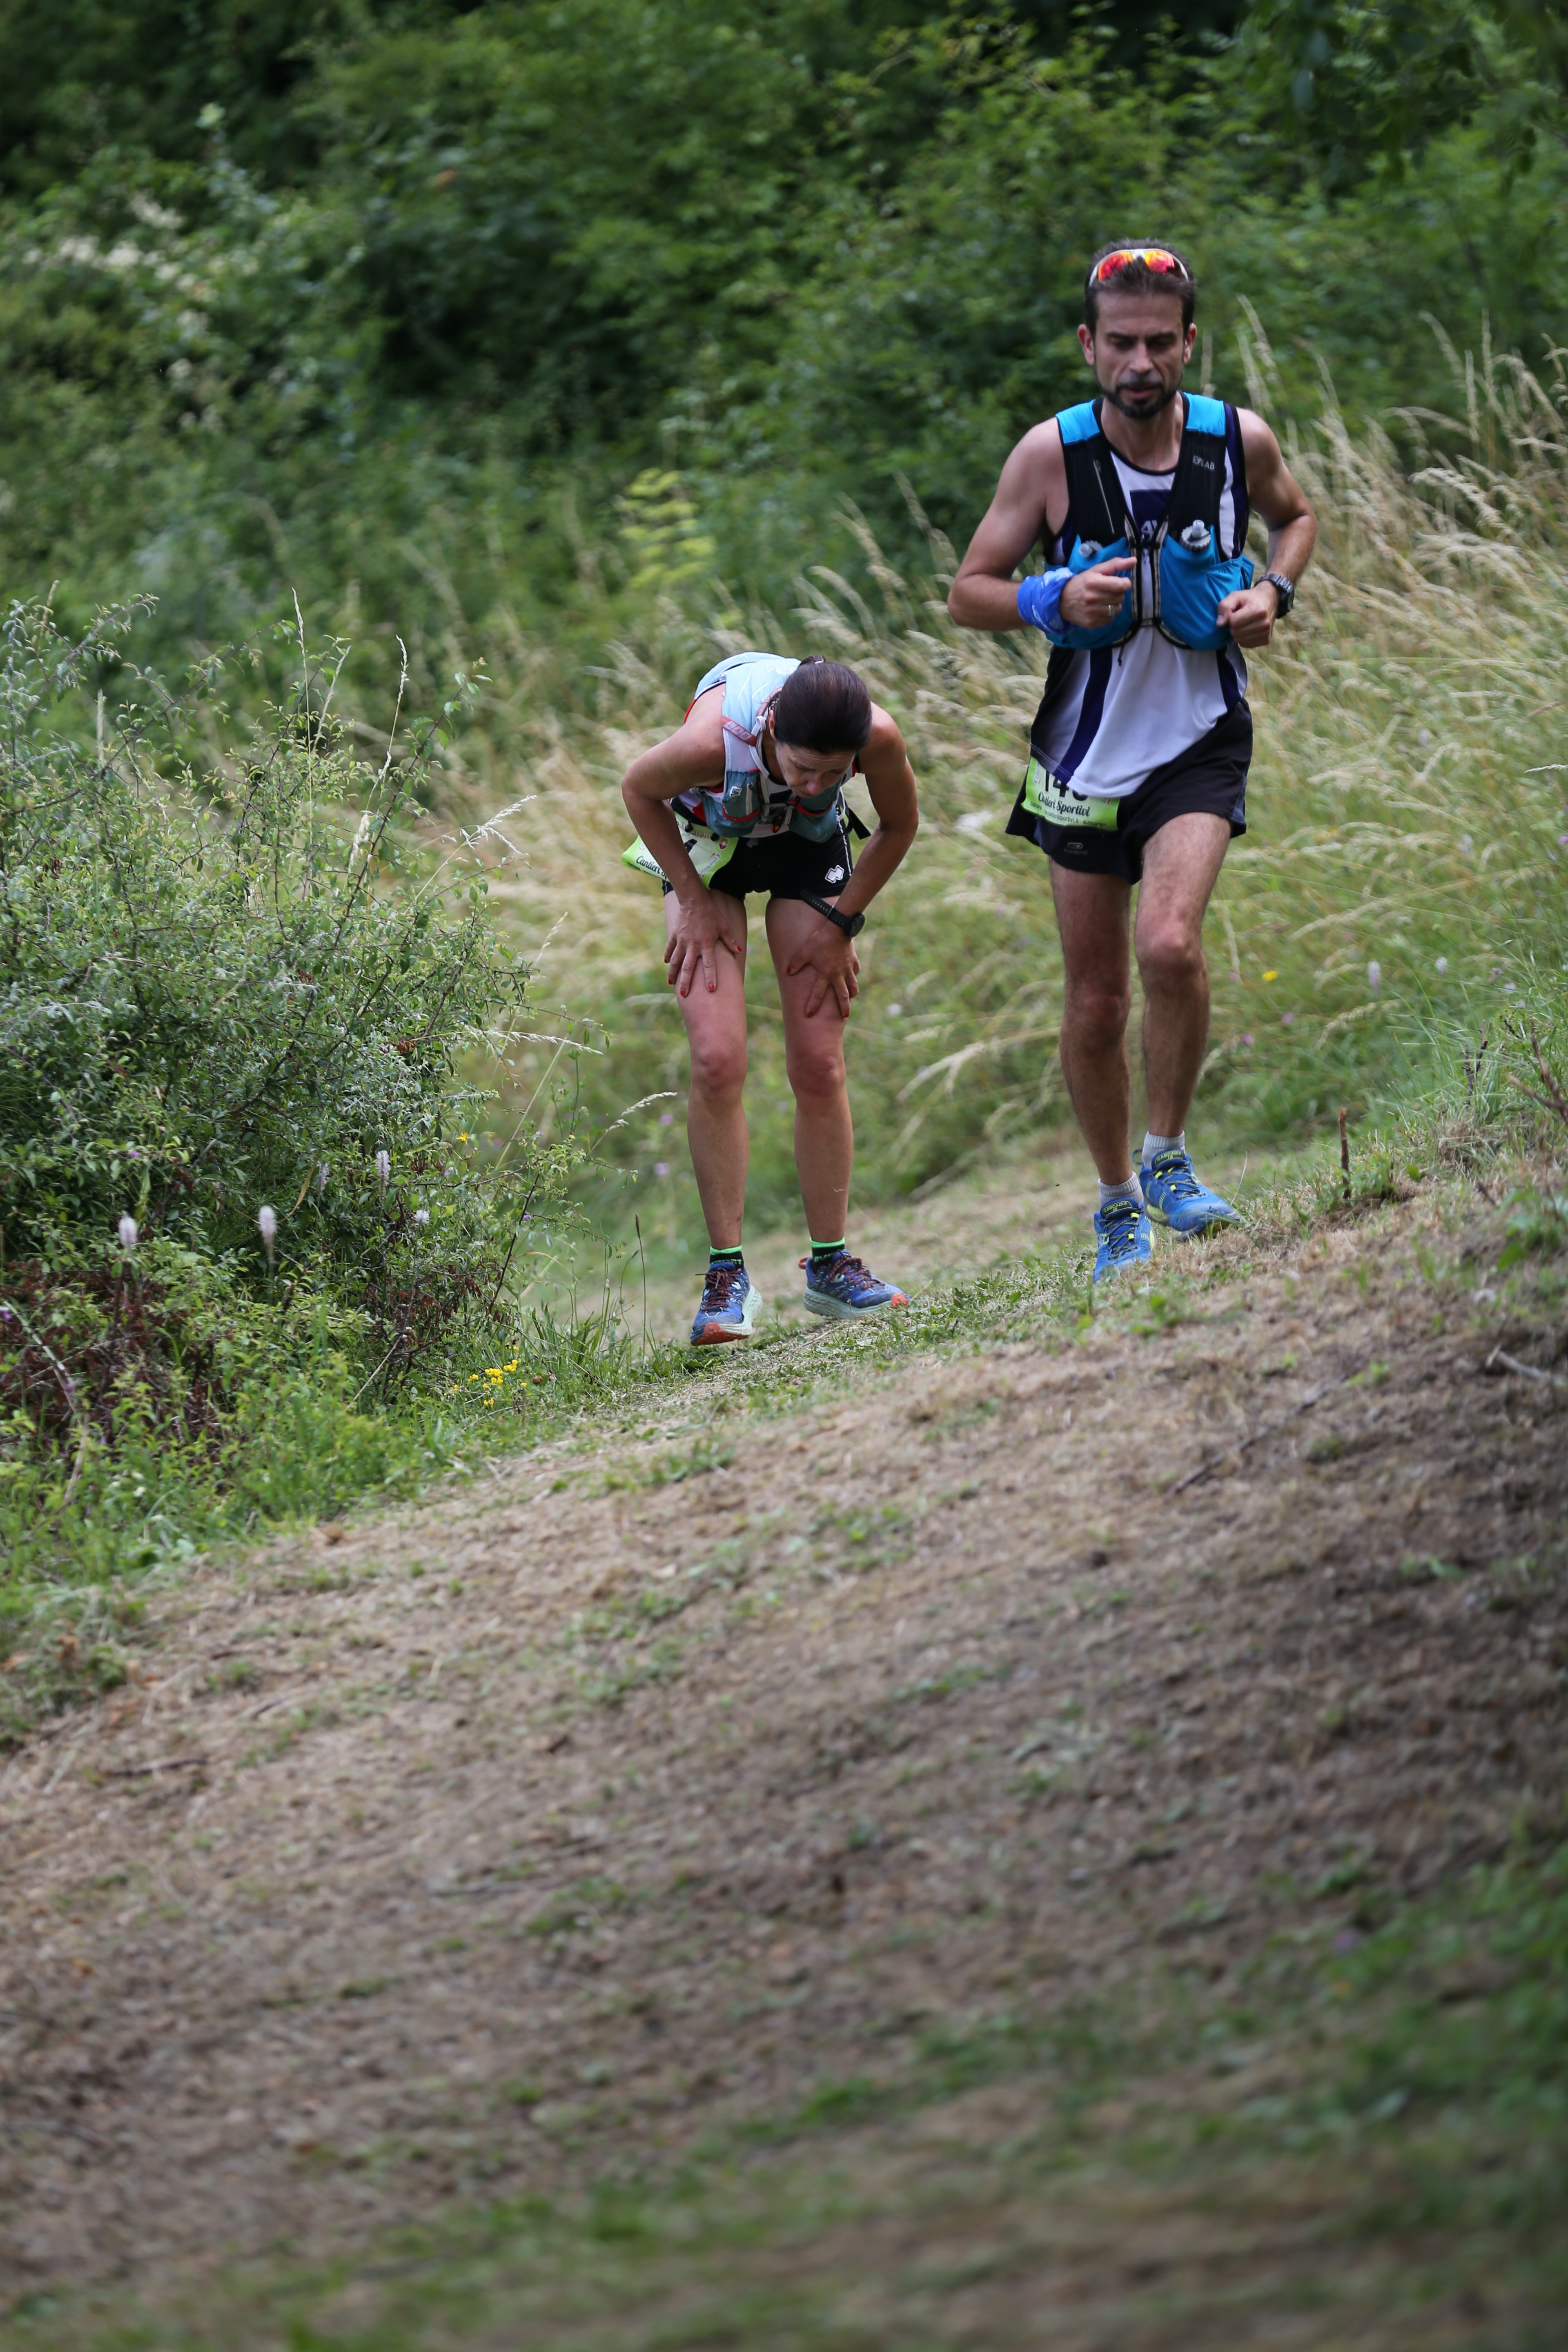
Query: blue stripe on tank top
[(1237, 477), (1091, 711), (1229, 685)]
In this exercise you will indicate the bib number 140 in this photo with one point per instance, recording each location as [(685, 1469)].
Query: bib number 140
[(1059, 804)]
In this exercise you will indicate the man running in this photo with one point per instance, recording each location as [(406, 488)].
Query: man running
[(749, 796), (1141, 745)]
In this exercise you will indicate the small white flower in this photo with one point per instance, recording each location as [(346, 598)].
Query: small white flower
[(128, 1236), (421, 1216), (1442, 964), (1374, 977), (383, 1170), (895, 1012)]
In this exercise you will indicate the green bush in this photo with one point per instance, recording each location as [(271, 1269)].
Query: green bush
[(220, 1000), (241, 1207)]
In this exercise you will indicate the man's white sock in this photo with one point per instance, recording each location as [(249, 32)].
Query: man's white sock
[(1153, 1143), (1129, 1189)]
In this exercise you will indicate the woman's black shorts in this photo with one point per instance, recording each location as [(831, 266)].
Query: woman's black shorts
[(787, 865), (1209, 778)]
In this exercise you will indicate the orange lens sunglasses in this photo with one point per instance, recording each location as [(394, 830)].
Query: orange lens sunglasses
[(1153, 256)]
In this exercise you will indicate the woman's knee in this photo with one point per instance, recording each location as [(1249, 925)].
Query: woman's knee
[(718, 1067), (816, 1074)]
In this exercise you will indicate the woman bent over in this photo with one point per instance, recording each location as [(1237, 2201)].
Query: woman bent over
[(749, 796)]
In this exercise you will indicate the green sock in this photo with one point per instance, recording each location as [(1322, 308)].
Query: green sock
[(822, 1251), (726, 1256)]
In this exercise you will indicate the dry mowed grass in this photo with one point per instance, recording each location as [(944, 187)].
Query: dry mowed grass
[(675, 1775)]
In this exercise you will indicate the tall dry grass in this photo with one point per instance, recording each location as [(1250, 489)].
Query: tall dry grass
[(1400, 891)]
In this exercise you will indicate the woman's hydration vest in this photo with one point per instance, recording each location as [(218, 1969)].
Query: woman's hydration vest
[(1190, 571), (751, 800)]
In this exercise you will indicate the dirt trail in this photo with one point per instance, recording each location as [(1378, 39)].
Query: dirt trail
[(1033, 1203), (575, 1813)]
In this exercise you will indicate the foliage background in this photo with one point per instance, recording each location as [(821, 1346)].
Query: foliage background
[(389, 304)]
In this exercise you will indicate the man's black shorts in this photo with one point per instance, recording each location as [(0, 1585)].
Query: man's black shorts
[(1210, 778), (787, 865)]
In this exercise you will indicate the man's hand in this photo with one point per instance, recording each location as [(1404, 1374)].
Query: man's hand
[(1099, 595), (830, 954), (706, 923), (1249, 613)]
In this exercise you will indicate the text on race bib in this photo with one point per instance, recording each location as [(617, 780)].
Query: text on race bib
[(1059, 804)]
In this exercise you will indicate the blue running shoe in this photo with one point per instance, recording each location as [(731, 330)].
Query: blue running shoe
[(1126, 1240), (1172, 1194), (731, 1303), (845, 1288)]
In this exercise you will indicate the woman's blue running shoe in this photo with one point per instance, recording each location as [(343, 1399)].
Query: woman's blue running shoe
[(731, 1303), (844, 1288), (1126, 1240), (1173, 1193)]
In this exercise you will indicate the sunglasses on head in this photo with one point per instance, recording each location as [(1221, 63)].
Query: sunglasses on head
[(1153, 256)]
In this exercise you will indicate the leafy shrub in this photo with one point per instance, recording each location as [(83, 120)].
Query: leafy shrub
[(230, 1017)]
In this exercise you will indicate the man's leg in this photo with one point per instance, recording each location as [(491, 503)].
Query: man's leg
[(1093, 917), (715, 1111), (1181, 866), (813, 1059)]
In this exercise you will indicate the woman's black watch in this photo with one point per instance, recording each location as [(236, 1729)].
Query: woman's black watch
[(850, 925), (1284, 589)]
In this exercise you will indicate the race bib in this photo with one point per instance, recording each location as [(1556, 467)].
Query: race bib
[(1059, 804), (707, 854)]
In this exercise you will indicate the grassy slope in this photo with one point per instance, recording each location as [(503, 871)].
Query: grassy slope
[(1174, 1951)]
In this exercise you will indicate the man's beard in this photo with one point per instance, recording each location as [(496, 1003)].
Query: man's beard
[(1166, 396)]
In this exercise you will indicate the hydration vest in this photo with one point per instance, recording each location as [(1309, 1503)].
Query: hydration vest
[(751, 798), (1190, 571)]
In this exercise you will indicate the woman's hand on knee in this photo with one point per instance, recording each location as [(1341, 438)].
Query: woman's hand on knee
[(830, 955), (702, 929)]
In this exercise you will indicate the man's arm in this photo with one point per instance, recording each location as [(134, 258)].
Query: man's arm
[(1031, 502), (891, 780), (1274, 493)]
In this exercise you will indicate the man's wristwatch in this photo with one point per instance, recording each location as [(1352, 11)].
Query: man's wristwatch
[(1286, 590), (850, 925)]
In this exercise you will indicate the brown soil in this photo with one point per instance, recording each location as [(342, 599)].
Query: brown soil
[(569, 1815)]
